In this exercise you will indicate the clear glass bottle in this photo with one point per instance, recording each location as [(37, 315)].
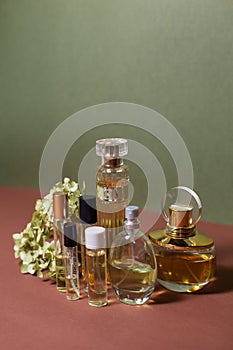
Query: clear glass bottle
[(112, 185), (60, 214), (132, 262), (88, 217), (185, 257), (96, 262), (70, 256)]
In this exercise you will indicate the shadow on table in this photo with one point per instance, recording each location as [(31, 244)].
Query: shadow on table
[(163, 296), (222, 283)]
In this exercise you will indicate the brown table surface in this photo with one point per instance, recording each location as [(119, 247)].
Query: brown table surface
[(34, 315)]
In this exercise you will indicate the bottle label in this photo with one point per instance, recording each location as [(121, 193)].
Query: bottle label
[(112, 194)]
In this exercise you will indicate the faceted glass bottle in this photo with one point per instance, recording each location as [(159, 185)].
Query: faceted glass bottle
[(185, 257), (111, 185), (132, 263)]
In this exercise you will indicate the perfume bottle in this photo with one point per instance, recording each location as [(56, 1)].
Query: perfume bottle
[(60, 210), (70, 256), (111, 185), (185, 257), (88, 217), (96, 260), (132, 262)]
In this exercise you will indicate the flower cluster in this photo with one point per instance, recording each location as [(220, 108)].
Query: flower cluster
[(34, 246)]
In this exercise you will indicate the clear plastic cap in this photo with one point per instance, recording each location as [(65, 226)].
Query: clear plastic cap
[(112, 148), (95, 237), (181, 207)]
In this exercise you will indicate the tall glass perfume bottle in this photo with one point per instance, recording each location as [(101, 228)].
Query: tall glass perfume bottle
[(60, 210), (70, 256), (186, 258), (96, 266), (88, 217), (112, 185), (132, 262)]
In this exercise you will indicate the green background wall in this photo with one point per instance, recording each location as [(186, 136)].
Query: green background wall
[(176, 57)]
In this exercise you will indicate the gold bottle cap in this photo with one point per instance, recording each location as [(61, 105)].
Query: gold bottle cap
[(60, 205), (180, 216)]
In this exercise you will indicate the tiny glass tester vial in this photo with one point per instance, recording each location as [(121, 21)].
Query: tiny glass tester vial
[(96, 262), (60, 214), (71, 261)]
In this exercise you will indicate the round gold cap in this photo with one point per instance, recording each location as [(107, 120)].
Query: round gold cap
[(180, 216)]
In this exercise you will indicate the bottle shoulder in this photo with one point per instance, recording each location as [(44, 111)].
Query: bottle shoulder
[(120, 170), (197, 240), (126, 237)]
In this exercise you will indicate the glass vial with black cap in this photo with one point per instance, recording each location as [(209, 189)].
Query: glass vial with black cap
[(71, 261), (60, 215), (88, 217)]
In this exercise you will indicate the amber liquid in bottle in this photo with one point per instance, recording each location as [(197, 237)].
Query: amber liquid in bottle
[(184, 265), (60, 273), (96, 277), (112, 196)]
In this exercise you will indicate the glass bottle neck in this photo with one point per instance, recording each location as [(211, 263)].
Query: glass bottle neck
[(111, 163), (181, 232), (132, 224)]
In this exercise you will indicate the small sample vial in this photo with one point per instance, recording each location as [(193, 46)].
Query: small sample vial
[(60, 214), (71, 261), (88, 217), (96, 262)]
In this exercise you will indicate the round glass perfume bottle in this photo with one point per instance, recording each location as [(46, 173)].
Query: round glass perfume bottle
[(132, 262), (185, 257)]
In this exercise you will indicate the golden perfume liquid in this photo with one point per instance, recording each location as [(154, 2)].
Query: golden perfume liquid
[(184, 264), (185, 257), (112, 198), (83, 276), (112, 181), (83, 267), (60, 274), (185, 272), (132, 281), (96, 277)]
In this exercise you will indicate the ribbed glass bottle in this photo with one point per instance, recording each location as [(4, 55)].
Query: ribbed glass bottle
[(111, 185)]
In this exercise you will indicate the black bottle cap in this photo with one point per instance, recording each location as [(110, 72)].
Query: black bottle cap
[(70, 234), (87, 209)]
